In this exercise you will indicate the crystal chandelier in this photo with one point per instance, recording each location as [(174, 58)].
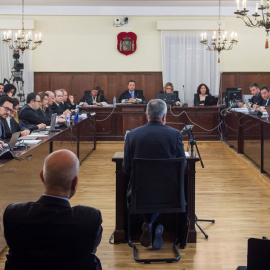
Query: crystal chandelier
[(22, 40), (219, 41), (255, 23)]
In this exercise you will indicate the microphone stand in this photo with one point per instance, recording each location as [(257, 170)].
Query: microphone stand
[(192, 142)]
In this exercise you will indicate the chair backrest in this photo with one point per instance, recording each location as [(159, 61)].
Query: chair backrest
[(158, 186), (258, 254)]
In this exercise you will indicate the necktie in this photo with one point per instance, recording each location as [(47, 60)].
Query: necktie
[(132, 94)]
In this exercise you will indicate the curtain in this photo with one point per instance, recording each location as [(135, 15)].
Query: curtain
[(7, 64), (186, 63)]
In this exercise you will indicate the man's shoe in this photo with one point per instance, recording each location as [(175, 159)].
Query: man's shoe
[(158, 242), (146, 237)]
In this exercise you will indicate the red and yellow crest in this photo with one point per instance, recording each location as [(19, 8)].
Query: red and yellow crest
[(126, 42)]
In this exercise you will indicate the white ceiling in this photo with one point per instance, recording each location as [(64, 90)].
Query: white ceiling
[(121, 7), (119, 3)]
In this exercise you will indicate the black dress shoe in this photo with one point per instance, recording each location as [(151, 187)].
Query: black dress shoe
[(158, 242), (146, 238)]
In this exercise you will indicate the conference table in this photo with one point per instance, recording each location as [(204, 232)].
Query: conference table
[(20, 181), (121, 215), (249, 135), (112, 122)]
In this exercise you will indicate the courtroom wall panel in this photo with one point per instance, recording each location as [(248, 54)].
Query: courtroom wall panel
[(244, 79), (113, 83)]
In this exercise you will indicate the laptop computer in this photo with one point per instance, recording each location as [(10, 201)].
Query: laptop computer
[(169, 98), (52, 126), (9, 147), (211, 101)]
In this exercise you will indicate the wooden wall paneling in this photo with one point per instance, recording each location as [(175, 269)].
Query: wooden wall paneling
[(60, 80), (228, 80), (42, 82), (111, 90), (150, 87), (82, 82), (264, 79)]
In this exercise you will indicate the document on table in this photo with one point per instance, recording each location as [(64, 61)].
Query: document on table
[(187, 154), (31, 142)]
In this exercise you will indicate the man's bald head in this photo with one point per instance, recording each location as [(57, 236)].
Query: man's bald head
[(60, 170)]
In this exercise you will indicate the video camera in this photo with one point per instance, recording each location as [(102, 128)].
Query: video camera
[(17, 65)]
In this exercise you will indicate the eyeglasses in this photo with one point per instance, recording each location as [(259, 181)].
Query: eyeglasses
[(8, 109)]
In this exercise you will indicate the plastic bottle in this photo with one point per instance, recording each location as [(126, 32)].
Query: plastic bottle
[(76, 118), (114, 101), (68, 120)]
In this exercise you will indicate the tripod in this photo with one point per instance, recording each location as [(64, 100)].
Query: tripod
[(192, 142)]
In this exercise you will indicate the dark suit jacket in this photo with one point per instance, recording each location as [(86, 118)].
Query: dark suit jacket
[(266, 102), (127, 95), (14, 127), (197, 99), (59, 109), (258, 100), (30, 117), (89, 99), (43, 116), (154, 141), (49, 111), (49, 234), (68, 106)]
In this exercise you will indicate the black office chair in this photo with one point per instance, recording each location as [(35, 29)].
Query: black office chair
[(258, 255), (157, 187)]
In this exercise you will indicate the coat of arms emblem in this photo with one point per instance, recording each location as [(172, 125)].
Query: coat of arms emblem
[(127, 42)]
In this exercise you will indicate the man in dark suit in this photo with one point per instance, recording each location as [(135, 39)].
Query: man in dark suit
[(68, 101), (28, 113), (49, 233), (6, 108), (256, 100), (58, 105), (11, 125), (93, 97), (131, 95), (266, 98), (154, 140), (51, 98)]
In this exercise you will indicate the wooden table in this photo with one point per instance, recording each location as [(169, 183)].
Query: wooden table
[(250, 135), (121, 217), (112, 122), (19, 178)]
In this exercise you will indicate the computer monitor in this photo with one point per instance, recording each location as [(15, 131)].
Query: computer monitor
[(169, 98), (233, 96)]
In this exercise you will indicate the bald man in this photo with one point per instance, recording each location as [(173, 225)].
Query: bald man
[(49, 233)]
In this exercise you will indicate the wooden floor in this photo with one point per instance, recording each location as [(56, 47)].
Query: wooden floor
[(227, 189)]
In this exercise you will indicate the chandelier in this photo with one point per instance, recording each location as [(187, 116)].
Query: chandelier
[(219, 40), (255, 23), (23, 41)]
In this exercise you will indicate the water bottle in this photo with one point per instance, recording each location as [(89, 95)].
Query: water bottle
[(68, 120), (114, 101), (76, 118)]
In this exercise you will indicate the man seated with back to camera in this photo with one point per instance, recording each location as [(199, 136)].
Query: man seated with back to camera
[(6, 108), (11, 125), (49, 234), (154, 140), (131, 95), (58, 105), (28, 113), (257, 100)]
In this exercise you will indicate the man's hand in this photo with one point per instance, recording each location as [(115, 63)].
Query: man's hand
[(255, 106), (66, 112), (1, 145), (240, 105), (40, 126), (71, 98), (132, 100), (25, 132), (61, 119)]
